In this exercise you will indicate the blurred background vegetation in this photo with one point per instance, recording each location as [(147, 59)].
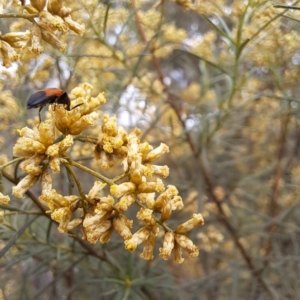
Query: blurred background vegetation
[(218, 82)]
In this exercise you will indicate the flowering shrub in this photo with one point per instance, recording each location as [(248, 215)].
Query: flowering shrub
[(180, 107), (101, 214)]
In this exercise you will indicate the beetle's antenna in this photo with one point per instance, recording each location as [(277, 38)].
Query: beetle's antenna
[(40, 113), (76, 106)]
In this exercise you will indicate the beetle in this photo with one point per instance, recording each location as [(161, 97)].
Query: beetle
[(49, 96)]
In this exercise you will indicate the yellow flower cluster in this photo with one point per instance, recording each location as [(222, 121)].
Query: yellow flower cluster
[(51, 20), (99, 213), (39, 144)]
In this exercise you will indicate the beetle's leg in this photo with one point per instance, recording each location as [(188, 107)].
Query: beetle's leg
[(40, 113)]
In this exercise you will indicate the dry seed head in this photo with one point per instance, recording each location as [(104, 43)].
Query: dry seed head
[(190, 224)]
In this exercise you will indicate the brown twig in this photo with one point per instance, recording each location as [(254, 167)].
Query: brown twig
[(273, 207)]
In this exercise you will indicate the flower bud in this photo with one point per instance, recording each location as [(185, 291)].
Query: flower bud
[(4, 200), (62, 216), (32, 164), (36, 38), (122, 189), (168, 245), (38, 4), (17, 39), (162, 171), (177, 254), (54, 41), (125, 202), (24, 185), (54, 163), (146, 216), (150, 187), (157, 152), (148, 250), (74, 26), (74, 223), (8, 53), (26, 147), (51, 23), (93, 236), (190, 224), (140, 236), (54, 6), (122, 225), (95, 190), (105, 237), (166, 212), (176, 203), (186, 244), (148, 198)]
